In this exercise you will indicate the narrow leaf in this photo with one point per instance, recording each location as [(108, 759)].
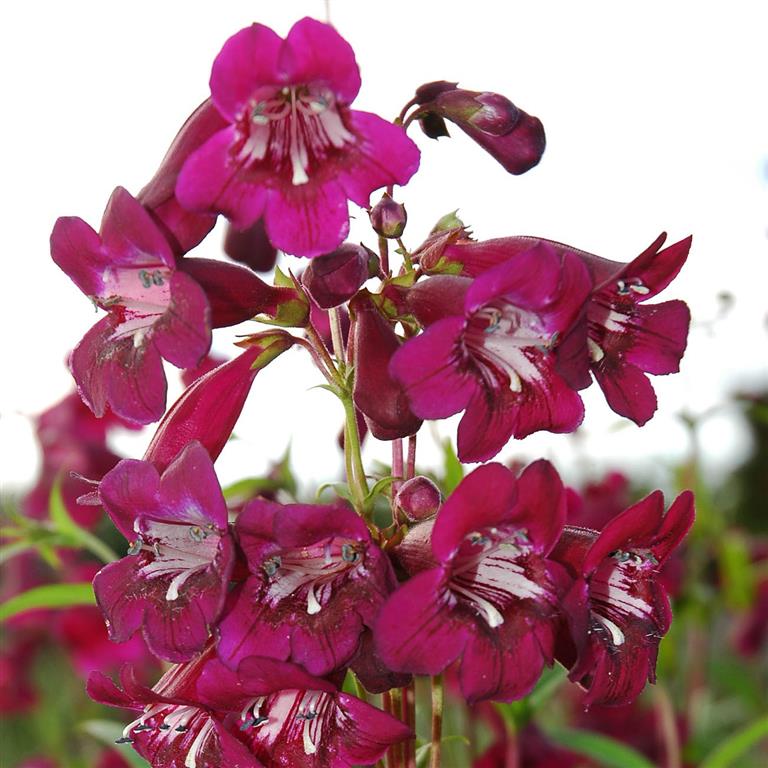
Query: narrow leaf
[(48, 596), (730, 750), (602, 749)]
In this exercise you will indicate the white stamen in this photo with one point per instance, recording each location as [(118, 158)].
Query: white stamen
[(617, 636), (595, 350), (313, 606), (489, 612), (190, 761)]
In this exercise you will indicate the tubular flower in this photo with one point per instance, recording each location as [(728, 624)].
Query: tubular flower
[(290, 719), (317, 580), (175, 728), (492, 599), (292, 151), (616, 608), (173, 582), (625, 339), (154, 311), (498, 361)]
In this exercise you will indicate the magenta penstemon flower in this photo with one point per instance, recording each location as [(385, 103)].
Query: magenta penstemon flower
[(154, 311), (292, 151), (290, 718), (175, 727), (497, 360), (492, 600), (173, 582), (317, 580), (616, 608), (628, 340)]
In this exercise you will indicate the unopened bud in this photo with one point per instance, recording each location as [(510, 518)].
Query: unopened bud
[(251, 247), (388, 218), (488, 112), (419, 498), (333, 279)]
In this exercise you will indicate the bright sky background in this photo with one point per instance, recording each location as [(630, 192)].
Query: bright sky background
[(654, 122)]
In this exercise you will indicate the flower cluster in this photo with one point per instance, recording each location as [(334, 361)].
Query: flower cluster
[(271, 609)]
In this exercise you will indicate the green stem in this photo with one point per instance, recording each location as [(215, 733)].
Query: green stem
[(352, 456), (337, 337), (384, 255), (437, 720)]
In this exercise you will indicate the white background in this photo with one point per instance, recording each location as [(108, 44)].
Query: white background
[(656, 119)]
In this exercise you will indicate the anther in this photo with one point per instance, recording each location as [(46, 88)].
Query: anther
[(349, 553), (197, 534), (271, 565), (145, 277), (124, 740), (135, 547)]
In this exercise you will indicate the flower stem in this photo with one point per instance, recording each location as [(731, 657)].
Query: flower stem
[(384, 255), (437, 720), (410, 467), (352, 456), (337, 337), (409, 717)]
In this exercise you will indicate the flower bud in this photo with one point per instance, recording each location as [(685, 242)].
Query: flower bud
[(419, 498), (488, 112), (251, 247), (381, 399), (388, 218), (207, 411), (183, 229), (414, 553), (333, 279), (234, 293)]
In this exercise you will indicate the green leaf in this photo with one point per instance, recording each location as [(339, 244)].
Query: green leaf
[(602, 749), (48, 596), (735, 746), (108, 732), (7, 551), (452, 467), (60, 516)]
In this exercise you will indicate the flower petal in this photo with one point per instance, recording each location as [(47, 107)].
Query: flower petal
[(247, 62), (183, 334), (627, 390), (428, 367), (307, 219), (76, 249), (659, 336), (315, 52), (485, 497), (211, 181), (381, 156), (417, 630)]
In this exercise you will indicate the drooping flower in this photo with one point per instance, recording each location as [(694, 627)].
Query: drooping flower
[(497, 357), (175, 729), (317, 580), (290, 719), (292, 151), (173, 582), (511, 136), (617, 609), (154, 311), (492, 600)]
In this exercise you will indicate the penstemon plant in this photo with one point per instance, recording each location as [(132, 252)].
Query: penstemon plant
[(281, 622)]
